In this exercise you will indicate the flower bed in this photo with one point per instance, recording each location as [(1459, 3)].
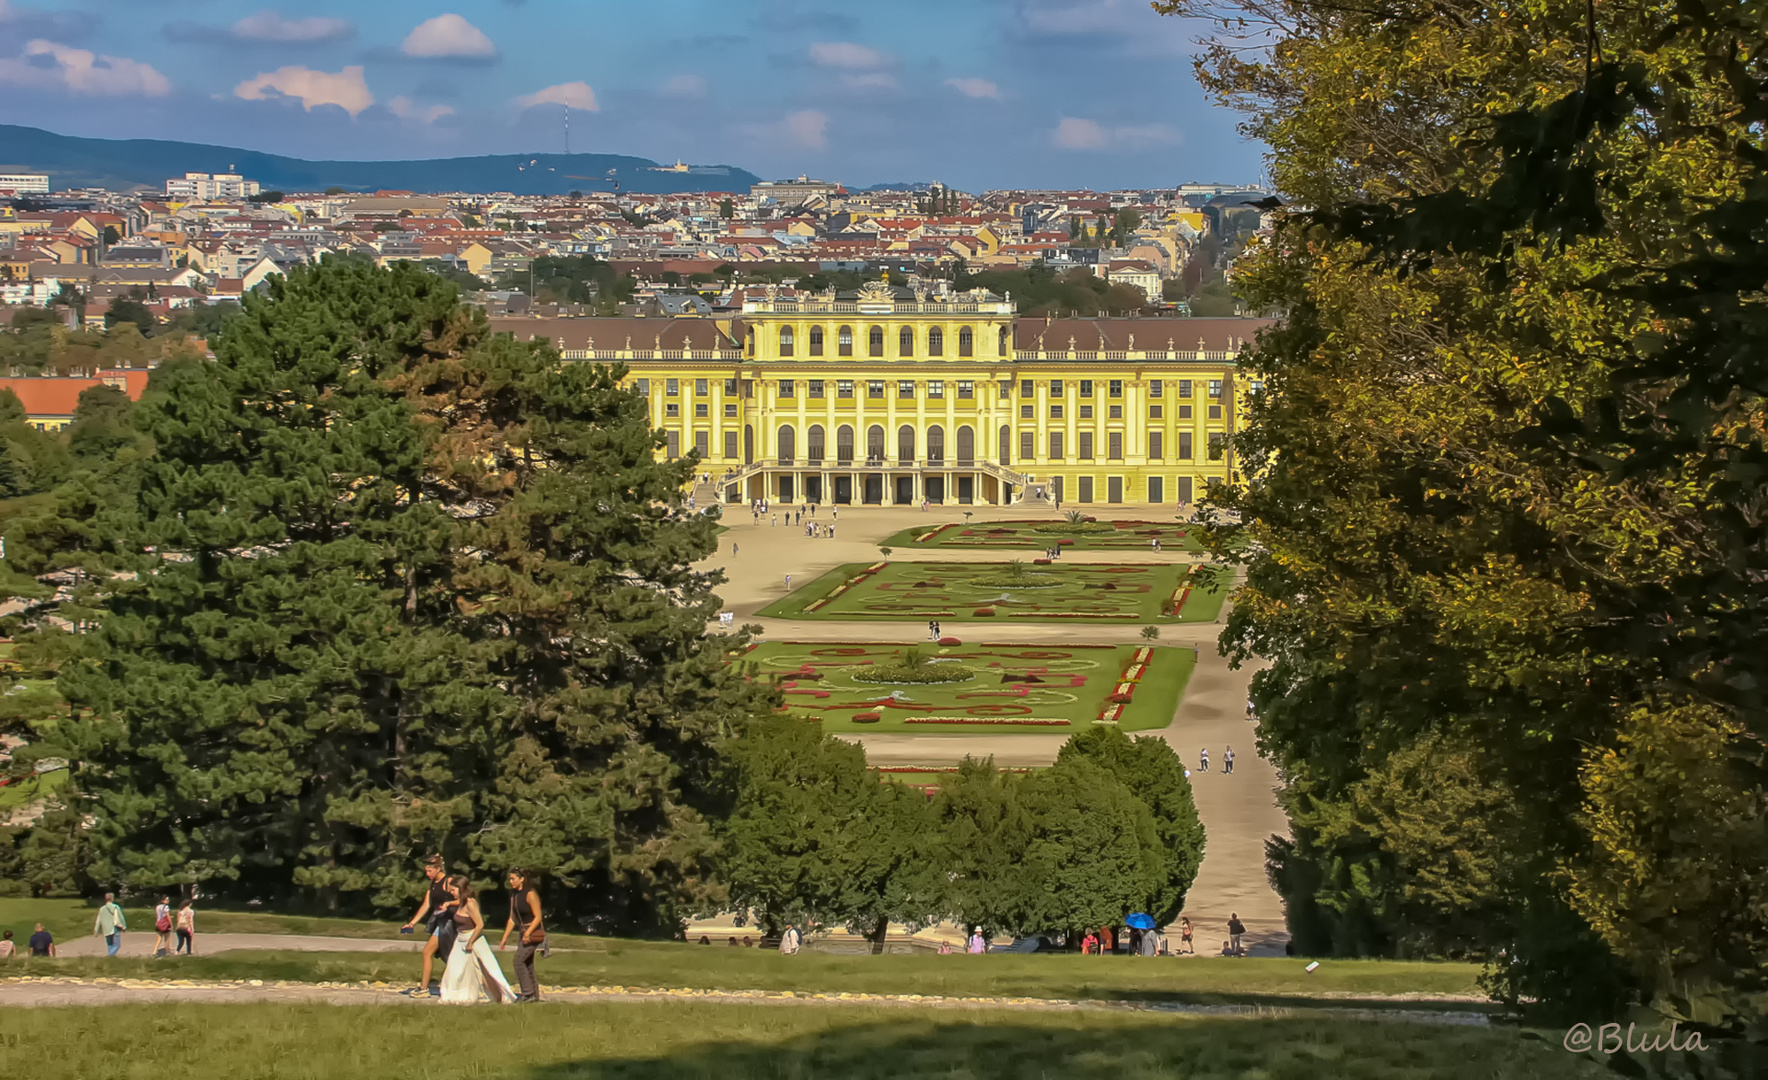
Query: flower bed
[(983, 613), (948, 642), (867, 717), (993, 722), (926, 675)]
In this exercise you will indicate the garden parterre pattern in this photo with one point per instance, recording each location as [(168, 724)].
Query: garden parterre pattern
[(1130, 536), (1018, 688), (1099, 593)]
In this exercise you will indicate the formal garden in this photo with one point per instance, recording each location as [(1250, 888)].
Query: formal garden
[(853, 686), (1078, 533), (1096, 593)]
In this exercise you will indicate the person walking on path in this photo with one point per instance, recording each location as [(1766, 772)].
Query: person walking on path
[(186, 924), (977, 943), (1203, 760), (733, 550), (436, 899), (1228, 760), (525, 917), (110, 925), (788, 582), (791, 941), (162, 927), (1235, 929), (1185, 944), (42, 942), (931, 633)]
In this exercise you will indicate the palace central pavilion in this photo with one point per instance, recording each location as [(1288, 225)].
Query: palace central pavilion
[(887, 395)]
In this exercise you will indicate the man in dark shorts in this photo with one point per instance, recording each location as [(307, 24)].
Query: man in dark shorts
[(525, 915), (431, 913)]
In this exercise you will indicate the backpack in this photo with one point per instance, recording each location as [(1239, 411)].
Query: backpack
[(163, 924)]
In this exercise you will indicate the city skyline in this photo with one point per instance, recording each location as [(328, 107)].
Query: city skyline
[(1006, 93)]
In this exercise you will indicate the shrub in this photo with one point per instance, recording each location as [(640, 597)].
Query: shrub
[(913, 667), (1151, 633), (1118, 699)]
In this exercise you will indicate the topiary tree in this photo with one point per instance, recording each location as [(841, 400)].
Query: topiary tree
[(1150, 633)]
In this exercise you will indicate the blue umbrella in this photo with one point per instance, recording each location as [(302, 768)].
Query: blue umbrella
[(1140, 921)]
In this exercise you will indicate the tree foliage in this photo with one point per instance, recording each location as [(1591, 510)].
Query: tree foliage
[(1507, 478)]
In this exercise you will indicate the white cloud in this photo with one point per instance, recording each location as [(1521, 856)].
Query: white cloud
[(686, 86), (808, 128), (573, 95), (974, 87), (405, 109), (846, 54), (345, 89), (46, 63), (1078, 133), (270, 26), (447, 36)]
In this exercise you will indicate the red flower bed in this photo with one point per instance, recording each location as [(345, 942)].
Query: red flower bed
[(984, 612), (949, 641), (971, 720), (1065, 543), (867, 717), (1119, 699), (1041, 562)]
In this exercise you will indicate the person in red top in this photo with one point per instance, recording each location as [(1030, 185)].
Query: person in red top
[(1088, 944)]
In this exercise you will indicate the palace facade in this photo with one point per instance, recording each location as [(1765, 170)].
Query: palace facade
[(890, 396)]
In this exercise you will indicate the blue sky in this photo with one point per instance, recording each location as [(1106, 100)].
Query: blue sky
[(976, 93)]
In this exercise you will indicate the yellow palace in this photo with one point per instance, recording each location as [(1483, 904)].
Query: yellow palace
[(890, 396)]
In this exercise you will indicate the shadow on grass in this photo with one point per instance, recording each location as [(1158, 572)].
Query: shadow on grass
[(1277, 1049)]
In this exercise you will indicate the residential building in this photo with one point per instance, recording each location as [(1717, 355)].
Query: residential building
[(208, 187), (24, 183)]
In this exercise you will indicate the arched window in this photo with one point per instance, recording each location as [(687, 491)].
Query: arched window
[(1006, 445), (844, 444), (844, 341), (875, 443), (905, 341), (815, 440), (785, 341), (875, 342), (1006, 342), (936, 342), (935, 443), (788, 444), (966, 342), (966, 446), (905, 443), (816, 341)]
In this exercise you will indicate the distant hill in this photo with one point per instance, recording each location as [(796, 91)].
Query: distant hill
[(123, 164)]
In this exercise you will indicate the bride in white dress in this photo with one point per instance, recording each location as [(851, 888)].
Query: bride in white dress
[(472, 975)]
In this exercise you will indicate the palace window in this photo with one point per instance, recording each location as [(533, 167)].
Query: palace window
[(935, 444), (671, 387), (730, 444), (1005, 387), (1184, 446), (785, 341), (1155, 387), (1005, 341), (730, 388), (672, 444), (875, 341), (1055, 412), (905, 389), (1086, 446), (1027, 445), (700, 410), (671, 409), (788, 444), (1254, 386), (1215, 412), (816, 341), (1086, 412), (1055, 387), (1215, 388), (936, 342), (1114, 446), (1156, 444), (875, 389), (1184, 387), (730, 408), (844, 389), (1026, 388), (1086, 388), (700, 389), (1114, 388), (1184, 412), (786, 388), (1217, 445), (702, 443), (905, 342), (844, 341), (966, 342), (814, 387), (1027, 412), (643, 386), (1055, 446), (936, 388), (1154, 412), (815, 441), (1116, 412), (966, 390)]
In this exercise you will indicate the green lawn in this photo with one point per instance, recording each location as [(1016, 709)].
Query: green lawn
[(665, 965), (1059, 689), (22, 793), (1077, 593), (1038, 535), (654, 1041)]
